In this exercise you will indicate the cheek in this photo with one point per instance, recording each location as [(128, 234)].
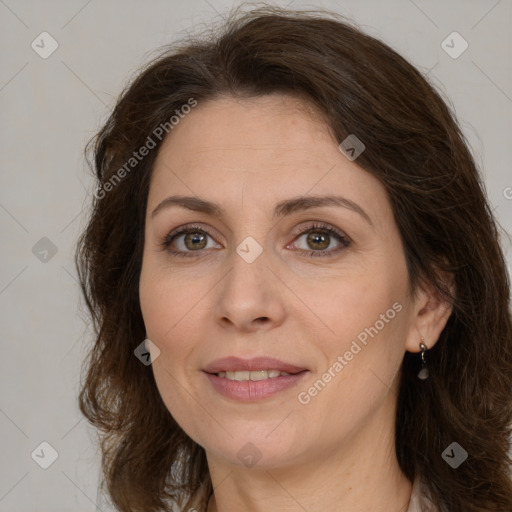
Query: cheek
[(165, 301), (164, 311), (366, 322), (170, 308), (357, 301)]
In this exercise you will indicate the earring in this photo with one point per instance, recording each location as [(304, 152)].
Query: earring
[(423, 373)]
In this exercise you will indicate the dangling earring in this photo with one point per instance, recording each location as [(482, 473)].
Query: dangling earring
[(423, 373)]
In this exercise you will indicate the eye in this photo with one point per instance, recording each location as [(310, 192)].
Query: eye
[(188, 240), (193, 239), (319, 237)]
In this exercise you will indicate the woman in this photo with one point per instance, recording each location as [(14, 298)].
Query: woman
[(298, 292)]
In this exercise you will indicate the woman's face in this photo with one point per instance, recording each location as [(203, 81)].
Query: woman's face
[(261, 275)]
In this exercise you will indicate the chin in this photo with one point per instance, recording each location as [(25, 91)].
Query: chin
[(258, 448)]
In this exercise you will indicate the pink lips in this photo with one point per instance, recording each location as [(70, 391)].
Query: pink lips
[(233, 364), (250, 391)]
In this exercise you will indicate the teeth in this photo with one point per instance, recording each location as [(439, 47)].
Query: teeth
[(254, 376)]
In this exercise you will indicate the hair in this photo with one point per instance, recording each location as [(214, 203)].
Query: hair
[(416, 149)]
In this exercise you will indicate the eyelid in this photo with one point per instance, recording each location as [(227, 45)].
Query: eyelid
[(320, 225), (185, 227)]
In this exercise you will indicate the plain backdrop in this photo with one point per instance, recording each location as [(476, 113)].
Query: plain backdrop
[(50, 107)]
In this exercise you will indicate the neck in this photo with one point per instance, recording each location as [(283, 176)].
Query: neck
[(363, 474)]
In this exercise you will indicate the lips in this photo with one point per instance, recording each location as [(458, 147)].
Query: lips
[(235, 364), (252, 380)]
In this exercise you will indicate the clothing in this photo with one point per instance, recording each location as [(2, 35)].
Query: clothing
[(419, 501)]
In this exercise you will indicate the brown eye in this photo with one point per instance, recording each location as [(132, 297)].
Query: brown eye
[(196, 240), (187, 241), (318, 238)]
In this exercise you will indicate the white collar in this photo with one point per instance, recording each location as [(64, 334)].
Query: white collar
[(419, 502)]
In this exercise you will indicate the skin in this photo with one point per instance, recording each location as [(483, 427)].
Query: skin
[(337, 451)]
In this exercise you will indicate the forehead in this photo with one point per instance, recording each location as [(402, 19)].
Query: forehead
[(265, 124), (264, 148)]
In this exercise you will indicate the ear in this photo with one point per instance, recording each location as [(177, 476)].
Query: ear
[(430, 315)]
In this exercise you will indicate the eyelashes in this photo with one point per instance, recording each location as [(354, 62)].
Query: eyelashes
[(325, 231), (318, 233)]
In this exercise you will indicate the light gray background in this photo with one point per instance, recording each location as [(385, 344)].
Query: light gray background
[(51, 107)]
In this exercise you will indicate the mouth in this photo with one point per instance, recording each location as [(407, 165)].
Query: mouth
[(253, 375), (257, 368), (252, 379)]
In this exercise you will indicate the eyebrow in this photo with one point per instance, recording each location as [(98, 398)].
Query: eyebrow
[(282, 209)]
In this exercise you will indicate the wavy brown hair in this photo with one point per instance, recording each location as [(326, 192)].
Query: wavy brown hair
[(414, 147)]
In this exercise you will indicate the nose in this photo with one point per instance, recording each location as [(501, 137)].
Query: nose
[(250, 298)]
